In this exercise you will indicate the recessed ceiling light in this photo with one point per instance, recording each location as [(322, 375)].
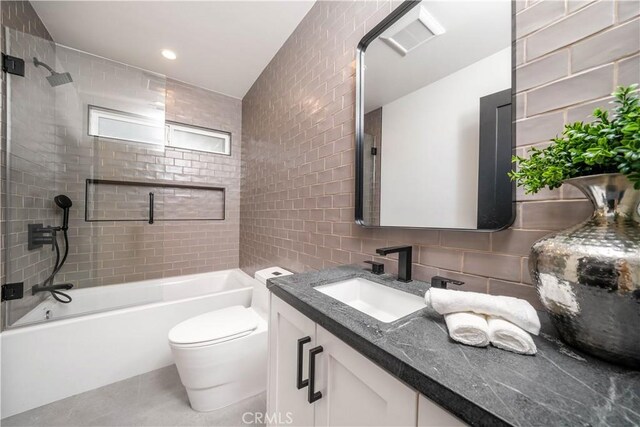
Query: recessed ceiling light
[(169, 54)]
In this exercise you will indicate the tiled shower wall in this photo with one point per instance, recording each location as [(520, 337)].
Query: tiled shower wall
[(297, 205), (116, 252), (111, 252)]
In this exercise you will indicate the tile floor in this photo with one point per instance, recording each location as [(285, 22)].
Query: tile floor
[(154, 399)]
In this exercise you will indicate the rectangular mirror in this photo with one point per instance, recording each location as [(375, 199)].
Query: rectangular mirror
[(434, 117)]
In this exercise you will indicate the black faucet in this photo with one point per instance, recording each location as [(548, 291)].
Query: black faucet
[(404, 260)]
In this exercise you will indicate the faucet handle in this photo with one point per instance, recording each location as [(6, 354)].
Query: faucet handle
[(376, 267), (442, 282)]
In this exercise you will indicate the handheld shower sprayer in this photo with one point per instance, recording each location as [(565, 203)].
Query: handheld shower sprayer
[(65, 204)]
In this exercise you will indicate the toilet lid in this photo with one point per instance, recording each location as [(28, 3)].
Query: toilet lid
[(215, 326)]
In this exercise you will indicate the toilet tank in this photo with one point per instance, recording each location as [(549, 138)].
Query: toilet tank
[(260, 301)]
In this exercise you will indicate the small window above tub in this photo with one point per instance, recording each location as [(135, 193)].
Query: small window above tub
[(198, 139), (107, 123)]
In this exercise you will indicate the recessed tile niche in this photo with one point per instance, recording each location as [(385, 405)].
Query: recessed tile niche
[(112, 200)]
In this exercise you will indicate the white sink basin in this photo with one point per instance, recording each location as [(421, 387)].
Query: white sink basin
[(381, 302)]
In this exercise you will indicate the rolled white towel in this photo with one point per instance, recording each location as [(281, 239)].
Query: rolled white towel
[(507, 336), (468, 328), (515, 310)]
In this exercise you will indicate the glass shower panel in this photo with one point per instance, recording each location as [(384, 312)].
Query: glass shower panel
[(110, 252), (117, 201), (50, 151), (30, 176)]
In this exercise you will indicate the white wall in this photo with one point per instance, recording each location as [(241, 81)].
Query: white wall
[(429, 150)]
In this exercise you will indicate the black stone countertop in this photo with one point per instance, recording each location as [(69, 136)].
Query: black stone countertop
[(482, 386)]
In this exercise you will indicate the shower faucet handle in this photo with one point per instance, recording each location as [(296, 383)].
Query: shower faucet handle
[(39, 235), (442, 282)]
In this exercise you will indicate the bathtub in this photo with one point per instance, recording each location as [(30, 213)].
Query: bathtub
[(106, 334)]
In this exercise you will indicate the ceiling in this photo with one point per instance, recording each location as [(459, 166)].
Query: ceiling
[(473, 31), (220, 45)]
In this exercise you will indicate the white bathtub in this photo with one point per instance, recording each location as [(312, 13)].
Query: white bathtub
[(106, 334)]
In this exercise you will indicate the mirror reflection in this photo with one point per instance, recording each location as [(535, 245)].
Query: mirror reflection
[(435, 117)]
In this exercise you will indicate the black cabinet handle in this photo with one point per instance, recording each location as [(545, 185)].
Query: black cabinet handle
[(300, 383), (313, 395), (150, 208)]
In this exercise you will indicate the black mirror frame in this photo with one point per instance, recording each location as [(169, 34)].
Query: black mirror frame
[(394, 16)]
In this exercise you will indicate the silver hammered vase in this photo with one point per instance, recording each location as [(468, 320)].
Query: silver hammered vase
[(588, 277)]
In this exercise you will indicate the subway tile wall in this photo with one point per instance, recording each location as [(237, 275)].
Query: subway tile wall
[(109, 201), (297, 205), (110, 252)]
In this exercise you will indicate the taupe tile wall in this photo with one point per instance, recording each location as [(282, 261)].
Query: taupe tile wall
[(33, 183), (115, 252), (119, 201), (298, 153)]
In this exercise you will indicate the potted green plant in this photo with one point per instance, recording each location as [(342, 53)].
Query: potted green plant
[(588, 276), (600, 147)]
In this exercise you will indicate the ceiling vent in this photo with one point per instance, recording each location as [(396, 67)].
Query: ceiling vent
[(416, 28)]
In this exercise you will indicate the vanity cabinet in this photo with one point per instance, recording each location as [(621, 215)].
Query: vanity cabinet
[(356, 391), (342, 388), (432, 415), (291, 334)]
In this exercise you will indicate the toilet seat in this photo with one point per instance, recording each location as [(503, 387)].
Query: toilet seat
[(214, 327)]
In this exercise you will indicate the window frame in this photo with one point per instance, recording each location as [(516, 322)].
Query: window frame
[(171, 126), (94, 113)]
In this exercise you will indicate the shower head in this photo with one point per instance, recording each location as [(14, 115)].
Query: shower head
[(63, 201), (65, 204), (55, 79)]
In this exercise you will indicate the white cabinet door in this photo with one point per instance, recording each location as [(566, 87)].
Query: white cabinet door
[(356, 392), (286, 404), (432, 415)]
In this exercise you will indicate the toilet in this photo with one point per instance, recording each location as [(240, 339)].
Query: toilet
[(221, 356)]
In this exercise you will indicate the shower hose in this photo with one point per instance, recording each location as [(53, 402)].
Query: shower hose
[(56, 294)]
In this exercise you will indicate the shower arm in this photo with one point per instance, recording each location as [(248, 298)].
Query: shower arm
[(39, 63)]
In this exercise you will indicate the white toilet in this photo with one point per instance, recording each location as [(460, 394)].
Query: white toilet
[(221, 356)]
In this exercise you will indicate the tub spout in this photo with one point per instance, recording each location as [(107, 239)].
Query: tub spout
[(55, 291), (37, 288)]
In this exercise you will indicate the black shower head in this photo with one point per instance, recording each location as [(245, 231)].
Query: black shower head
[(65, 204), (63, 201)]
